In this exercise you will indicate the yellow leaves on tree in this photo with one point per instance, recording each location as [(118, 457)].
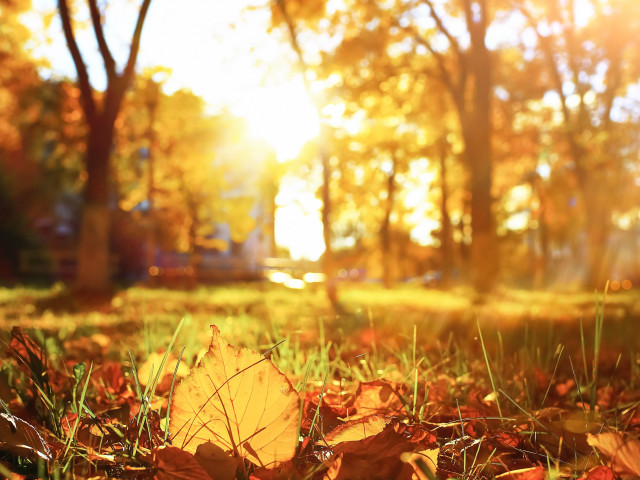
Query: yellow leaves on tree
[(239, 401)]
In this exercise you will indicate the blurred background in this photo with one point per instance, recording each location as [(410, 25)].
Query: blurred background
[(477, 142)]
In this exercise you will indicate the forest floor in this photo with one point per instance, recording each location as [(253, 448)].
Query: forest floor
[(403, 383)]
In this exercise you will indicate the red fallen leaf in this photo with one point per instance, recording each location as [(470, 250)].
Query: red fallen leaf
[(378, 456), (334, 407), (173, 463), (33, 361), (152, 428), (108, 379), (507, 439), (454, 455), (532, 473), (20, 438), (622, 448), (378, 397), (601, 472)]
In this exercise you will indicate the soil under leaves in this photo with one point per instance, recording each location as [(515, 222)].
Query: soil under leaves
[(410, 388)]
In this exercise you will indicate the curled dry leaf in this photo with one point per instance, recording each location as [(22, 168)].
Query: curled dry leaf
[(379, 455), (623, 450), (238, 400), (20, 438)]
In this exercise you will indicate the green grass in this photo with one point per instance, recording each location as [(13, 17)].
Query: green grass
[(511, 353)]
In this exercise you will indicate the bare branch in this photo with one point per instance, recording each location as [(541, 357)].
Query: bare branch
[(88, 102), (294, 38), (135, 43), (96, 19), (547, 49), (443, 29)]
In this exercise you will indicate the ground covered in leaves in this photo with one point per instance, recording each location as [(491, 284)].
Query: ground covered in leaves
[(259, 382)]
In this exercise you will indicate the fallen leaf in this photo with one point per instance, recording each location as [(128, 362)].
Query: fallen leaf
[(601, 472), (355, 430), (623, 450), (531, 473), (422, 461), (334, 407), (238, 400), (172, 463), (380, 456), (378, 397), (218, 464), (149, 370), (20, 438)]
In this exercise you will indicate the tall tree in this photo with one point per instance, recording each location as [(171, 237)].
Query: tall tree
[(328, 256), (590, 64), (100, 112), (467, 73), (453, 40)]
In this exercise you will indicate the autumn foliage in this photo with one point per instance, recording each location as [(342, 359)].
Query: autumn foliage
[(235, 415)]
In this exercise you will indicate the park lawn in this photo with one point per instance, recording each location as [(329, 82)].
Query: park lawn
[(549, 371)]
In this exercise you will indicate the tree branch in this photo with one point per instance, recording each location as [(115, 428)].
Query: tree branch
[(86, 93), (443, 29), (294, 39), (547, 49), (135, 43), (96, 19)]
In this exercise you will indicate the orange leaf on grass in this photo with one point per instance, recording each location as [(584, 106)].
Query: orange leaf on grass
[(238, 400), (378, 397), (601, 472), (623, 450)]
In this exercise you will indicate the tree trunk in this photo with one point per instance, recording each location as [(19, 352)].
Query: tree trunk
[(477, 134), (327, 259), (94, 269), (385, 230), (447, 239)]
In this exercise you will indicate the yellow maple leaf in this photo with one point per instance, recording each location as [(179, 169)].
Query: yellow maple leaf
[(238, 400)]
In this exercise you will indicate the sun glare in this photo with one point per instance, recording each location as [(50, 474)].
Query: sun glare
[(283, 116)]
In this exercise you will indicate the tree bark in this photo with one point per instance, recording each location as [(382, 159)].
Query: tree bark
[(94, 272), (477, 134), (447, 239), (385, 230), (94, 266), (328, 260)]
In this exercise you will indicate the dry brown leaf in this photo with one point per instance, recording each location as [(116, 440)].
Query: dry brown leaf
[(623, 450), (377, 398), (355, 430), (380, 456), (172, 463), (238, 400), (21, 438), (218, 464)]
